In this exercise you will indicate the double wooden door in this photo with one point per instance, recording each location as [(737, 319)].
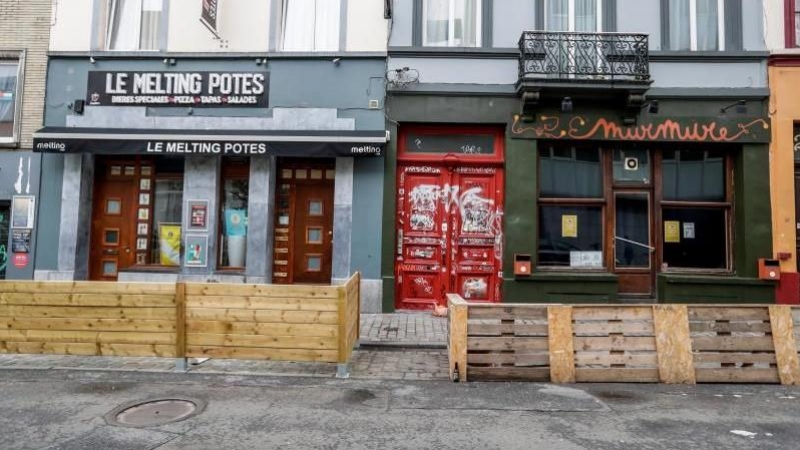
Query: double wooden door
[(449, 234)]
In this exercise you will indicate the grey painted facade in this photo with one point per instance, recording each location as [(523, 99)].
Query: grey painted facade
[(305, 94)]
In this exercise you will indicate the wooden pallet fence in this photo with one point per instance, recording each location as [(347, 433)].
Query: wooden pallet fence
[(624, 343), (272, 322), (88, 318)]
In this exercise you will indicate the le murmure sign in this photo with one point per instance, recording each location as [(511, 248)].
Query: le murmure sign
[(197, 89)]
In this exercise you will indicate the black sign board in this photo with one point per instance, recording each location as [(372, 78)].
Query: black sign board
[(20, 241), (201, 142), (461, 144), (196, 89), (209, 15)]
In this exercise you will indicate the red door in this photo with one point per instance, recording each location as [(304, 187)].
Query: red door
[(449, 234)]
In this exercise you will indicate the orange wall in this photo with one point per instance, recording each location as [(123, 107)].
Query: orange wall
[(784, 110)]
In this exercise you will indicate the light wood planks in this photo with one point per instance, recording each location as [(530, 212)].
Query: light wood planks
[(560, 344), (673, 345), (180, 320), (785, 346), (88, 318), (457, 344)]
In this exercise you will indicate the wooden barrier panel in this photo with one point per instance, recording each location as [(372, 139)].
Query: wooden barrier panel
[(732, 344), (562, 354), (457, 342), (273, 322), (88, 318), (614, 343), (675, 364), (505, 342), (780, 318)]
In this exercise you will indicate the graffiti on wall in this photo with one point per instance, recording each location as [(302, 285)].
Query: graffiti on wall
[(682, 130)]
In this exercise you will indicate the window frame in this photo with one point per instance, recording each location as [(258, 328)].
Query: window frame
[(791, 15), (282, 30), (721, 31), (657, 205), (16, 128), (571, 17), (239, 170), (105, 30), (602, 202), (479, 37)]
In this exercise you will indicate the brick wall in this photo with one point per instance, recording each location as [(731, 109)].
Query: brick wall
[(25, 25)]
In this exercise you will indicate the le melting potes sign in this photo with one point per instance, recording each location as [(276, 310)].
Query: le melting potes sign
[(196, 89)]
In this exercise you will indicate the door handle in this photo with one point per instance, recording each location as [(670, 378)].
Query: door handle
[(127, 249)]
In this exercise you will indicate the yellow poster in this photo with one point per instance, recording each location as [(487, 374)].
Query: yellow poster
[(569, 226), (672, 231), (169, 240)]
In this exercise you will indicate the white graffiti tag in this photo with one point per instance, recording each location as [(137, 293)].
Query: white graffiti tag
[(423, 200)]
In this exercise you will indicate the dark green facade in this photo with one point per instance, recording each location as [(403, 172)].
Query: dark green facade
[(750, 222)]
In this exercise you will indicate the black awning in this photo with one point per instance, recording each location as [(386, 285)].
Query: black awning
[(116, 141)]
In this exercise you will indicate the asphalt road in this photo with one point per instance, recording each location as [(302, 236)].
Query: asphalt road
[(66, 409)]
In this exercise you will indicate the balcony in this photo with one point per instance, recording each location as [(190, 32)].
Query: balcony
[(584, 57), (578, 64)]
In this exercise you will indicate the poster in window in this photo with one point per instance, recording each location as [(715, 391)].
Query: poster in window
[(144, 199), (144, 214), (198, 215), (20, 241), (236, 222), (141, 229), (169, 244), (688, 230), (196, 250), (144, 184), (672, 231), (22, 211), (569, 226)]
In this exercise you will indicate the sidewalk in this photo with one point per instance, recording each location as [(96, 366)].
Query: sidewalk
[(402, 346)]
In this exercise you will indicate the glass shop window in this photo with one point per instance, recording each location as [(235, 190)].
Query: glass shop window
[(234, 201), (167, 183), (571, 206), (695, 209)]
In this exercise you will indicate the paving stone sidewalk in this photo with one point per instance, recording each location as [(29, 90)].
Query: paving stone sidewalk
[(421, 330)]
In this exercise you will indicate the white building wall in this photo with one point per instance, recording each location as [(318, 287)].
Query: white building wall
[(243, 26), (773, 25), (367, 30), (71, 28)]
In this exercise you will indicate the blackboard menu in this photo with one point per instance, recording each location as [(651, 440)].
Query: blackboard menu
[(461, 144), (21, 241)]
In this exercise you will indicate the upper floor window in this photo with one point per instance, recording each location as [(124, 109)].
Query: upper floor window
[(573, 15), (10, 90), (792, 23), (696, 24), (451, 23), (311, 25), (132, 24)]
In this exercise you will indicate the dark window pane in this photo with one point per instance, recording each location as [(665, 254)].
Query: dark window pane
[(697, 240), (234, 222), (693, 175), (631, 166), (571, 236), (167, 210), (570, 172), (633, 230)]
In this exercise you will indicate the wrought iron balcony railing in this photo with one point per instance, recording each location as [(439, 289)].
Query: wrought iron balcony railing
[(578, 56)]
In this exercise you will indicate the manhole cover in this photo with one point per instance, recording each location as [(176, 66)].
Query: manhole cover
[(154, 412)]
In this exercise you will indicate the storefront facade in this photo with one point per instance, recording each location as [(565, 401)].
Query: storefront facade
[(632, 170)]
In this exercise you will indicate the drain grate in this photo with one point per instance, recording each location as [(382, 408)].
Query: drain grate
[(154, 412)]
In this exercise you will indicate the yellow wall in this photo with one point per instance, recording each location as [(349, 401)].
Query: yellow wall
[(785, 110)]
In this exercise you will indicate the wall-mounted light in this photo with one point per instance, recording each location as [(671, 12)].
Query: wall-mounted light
[(92, 60), (652, 107), (170, 61), (261, 61), (336, 61), (566, 105), (77, 106), (741, 107)]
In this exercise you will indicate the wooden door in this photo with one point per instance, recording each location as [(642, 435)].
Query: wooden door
[(422, 245), (313, 233), (449, 235), (633, 248), (476, 211), (113, 237)]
